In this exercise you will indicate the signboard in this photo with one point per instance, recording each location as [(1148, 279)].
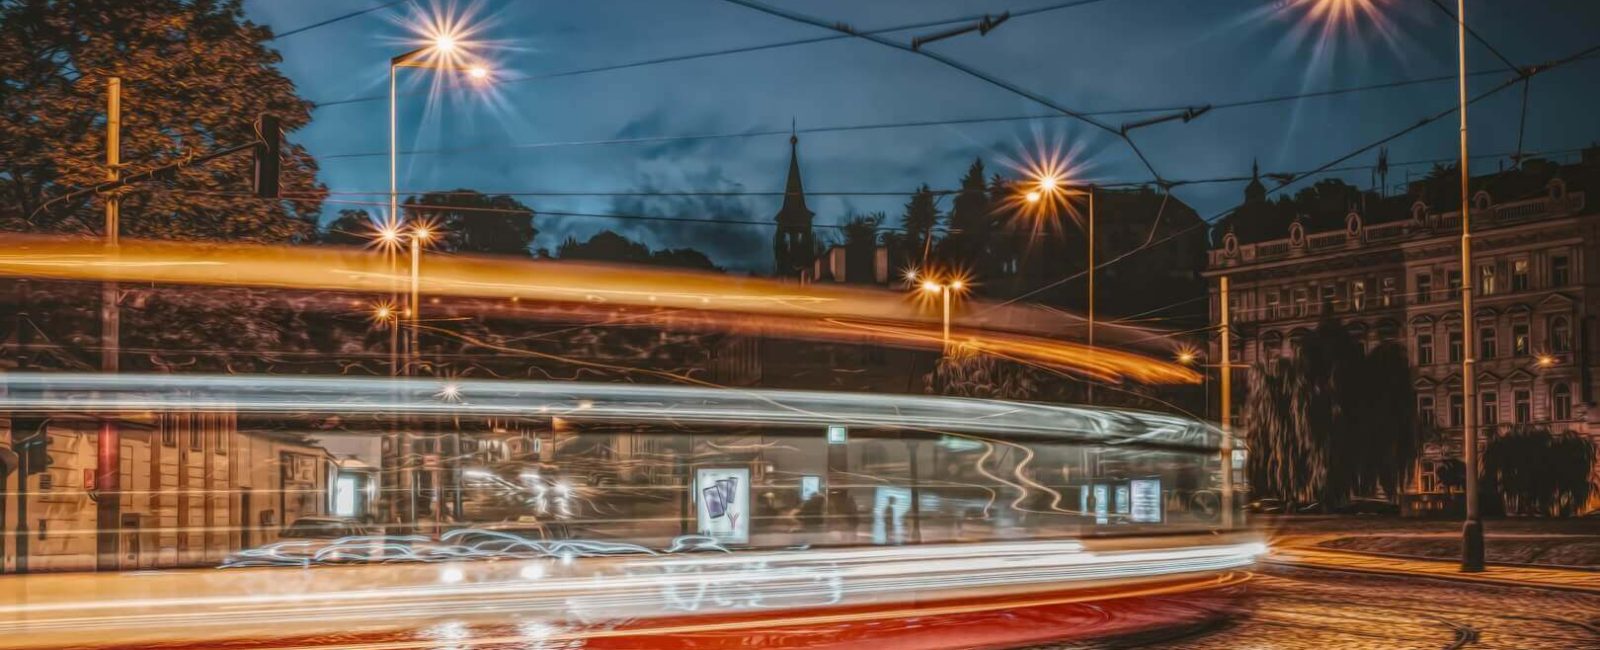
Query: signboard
[(1102, 503), (722, 498), (810, 485), (838, 434), (1146, 500), (1122, 500)]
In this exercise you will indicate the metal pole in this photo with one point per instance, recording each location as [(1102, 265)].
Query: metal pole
[(108, 445), (1472, 529), (944, 292), (1226, 418), (1089, 387)]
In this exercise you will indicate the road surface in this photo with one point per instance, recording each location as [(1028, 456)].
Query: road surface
[(1290, 609)]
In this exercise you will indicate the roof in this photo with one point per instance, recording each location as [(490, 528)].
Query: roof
[(794, 210)]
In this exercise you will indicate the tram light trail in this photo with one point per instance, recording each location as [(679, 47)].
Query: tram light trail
[(831, 312)]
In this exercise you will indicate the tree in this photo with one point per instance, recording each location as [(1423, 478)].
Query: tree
[(195, 76), (971, 218), (351, 228), (474, 222), (608, 246), (862, 230), (919, 221), (1332, 422), (1535, 472)]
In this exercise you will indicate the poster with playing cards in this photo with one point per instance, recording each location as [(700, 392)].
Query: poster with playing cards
[(723, 503)]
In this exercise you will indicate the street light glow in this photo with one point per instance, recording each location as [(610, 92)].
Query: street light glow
[(444, 43), (478, 72), (1034, 196), (930, 286)]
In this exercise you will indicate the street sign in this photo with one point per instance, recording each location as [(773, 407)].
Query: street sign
[(838, 434)]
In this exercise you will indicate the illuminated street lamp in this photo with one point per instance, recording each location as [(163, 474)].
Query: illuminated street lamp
[(943, 290)]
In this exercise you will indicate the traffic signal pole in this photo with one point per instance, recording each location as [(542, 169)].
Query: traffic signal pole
[(108, 445)]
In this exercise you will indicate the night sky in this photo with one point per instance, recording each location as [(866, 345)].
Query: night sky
[(1104, 55)]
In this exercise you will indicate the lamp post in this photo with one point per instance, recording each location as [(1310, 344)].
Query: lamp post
[(1472, 528), (1048, 186), (933, 287), (440, 54)]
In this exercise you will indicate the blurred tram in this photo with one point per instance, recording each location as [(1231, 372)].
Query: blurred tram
[(459, 488)]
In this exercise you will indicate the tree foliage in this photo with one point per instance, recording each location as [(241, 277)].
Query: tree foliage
[(1535, 472), (350, 228), (195, 77), (1334, 421), (470, 221), (608, 246)]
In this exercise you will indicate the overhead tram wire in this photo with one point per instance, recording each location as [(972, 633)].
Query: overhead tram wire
[(1522, 76), (1104, 184), (992, 80), (677, 58), (1273, 99), (335, 19)]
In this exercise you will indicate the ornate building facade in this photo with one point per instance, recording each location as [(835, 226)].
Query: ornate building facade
[(1389, 268)]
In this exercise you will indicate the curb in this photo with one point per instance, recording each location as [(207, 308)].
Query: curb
[(1405, 556), (1499, 582)]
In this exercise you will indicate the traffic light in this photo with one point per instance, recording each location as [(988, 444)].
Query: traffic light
[(269, 146)]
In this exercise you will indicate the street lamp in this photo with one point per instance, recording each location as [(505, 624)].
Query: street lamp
[(933, 287)]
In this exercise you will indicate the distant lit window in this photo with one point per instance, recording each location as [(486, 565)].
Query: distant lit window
[(1386, 290), (1358, 294), (1486, 280), (1521, 346), (1519, 275)]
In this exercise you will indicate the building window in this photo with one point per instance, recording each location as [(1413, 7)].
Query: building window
[(1457, 410), (1453, 278), (1424, 288), (1560, 334), (1487, 343), (1301, 309), (169, 432), (1520, 345), (1455, 347), (1327, 293), (1386, 292), (1358, 294), (1519, 275), (1489, 409), (197, 434), (1521, 406), (219, 438), (1272, 300), (1560, 402), (1486, 280), (1560, 271), (1424, 349), (1428, 480), (1271, 346), (1425, 414)]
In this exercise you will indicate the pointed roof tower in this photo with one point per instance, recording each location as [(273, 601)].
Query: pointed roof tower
[(1255, 192), (794, 211)]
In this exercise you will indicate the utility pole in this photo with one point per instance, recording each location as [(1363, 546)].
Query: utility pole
[(108, 446), (1226, 418), (1472, 529)]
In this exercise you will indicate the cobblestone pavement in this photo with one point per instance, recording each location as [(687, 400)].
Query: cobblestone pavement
[(1291, 608)]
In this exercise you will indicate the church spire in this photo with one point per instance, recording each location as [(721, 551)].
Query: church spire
[(1255, 192), (794, 245), (794, 210)]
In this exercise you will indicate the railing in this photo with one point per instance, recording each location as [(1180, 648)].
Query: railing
[(1326, 240)]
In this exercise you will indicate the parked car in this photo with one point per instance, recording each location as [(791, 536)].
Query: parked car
[(312, 541)]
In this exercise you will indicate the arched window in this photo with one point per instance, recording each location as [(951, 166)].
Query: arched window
[(1560, 402), (1560, 334)]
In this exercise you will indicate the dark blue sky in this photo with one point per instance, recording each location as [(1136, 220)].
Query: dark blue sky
[(1106, 55)]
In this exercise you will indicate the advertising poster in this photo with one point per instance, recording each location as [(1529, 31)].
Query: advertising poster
[(1102, 503), (810, 486), (723, 503), (1146, 500)]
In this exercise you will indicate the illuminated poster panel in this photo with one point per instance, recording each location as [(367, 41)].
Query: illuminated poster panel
[(722, 496), (1146, 501)]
